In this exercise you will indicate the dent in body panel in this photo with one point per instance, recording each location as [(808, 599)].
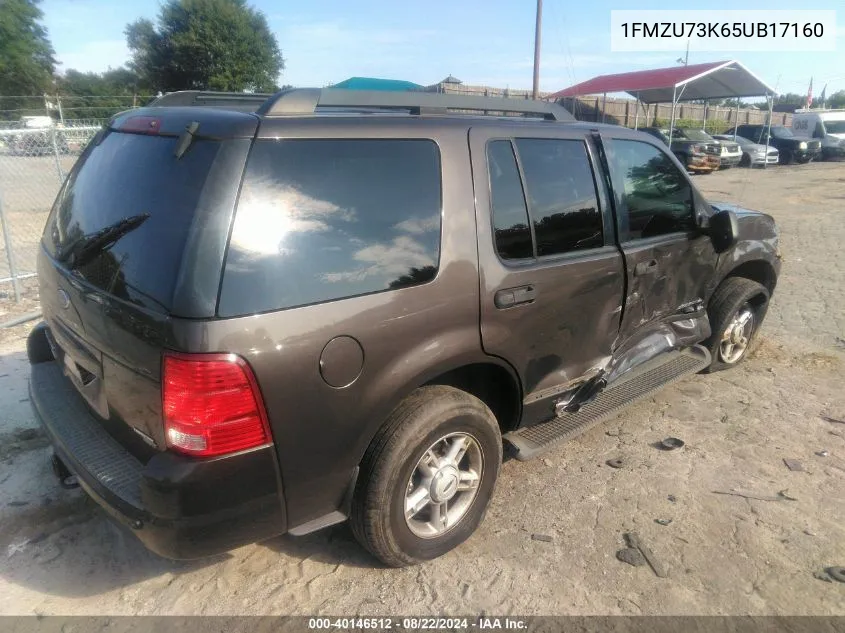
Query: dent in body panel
[(758, 242), (567, 329), (658, 337)]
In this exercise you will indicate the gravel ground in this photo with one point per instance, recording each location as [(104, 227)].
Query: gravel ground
[(724, 553)]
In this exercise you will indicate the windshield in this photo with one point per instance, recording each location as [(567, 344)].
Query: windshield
[(695, 135), (123, 218), (835, 127), (729, 137), (782, 132)]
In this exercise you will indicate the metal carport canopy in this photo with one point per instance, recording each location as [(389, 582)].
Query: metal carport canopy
[(714, 80)]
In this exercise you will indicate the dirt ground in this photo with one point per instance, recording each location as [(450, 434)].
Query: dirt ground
[(725, 554)]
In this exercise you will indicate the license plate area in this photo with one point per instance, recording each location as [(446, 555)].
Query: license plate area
[(82, 365)]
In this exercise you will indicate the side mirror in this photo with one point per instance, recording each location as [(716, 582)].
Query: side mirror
[(723, 230)]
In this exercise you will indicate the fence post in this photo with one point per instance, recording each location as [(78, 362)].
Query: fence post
[(10, 256), (53, 133)]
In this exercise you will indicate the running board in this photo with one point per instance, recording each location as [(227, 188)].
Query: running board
[(637, 383)]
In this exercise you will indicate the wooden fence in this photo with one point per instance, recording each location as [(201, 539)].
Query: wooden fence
[(624, 111)]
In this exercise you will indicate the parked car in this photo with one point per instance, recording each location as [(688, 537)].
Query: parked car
[(827, 126), (790, 149), (696, 156), (729, 152), (345, 316), (753, 154)]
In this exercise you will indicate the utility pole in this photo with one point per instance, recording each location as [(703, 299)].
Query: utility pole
[(685, 60), (537, 33)]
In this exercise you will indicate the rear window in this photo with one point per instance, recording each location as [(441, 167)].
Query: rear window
[(320, 219), (133, 175)]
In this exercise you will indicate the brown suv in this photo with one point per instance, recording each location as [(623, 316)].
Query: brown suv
[(272, 313)]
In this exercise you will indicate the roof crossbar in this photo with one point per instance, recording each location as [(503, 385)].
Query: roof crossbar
[(306, 101)]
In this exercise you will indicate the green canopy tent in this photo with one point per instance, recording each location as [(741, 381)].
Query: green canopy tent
[(373, 83)]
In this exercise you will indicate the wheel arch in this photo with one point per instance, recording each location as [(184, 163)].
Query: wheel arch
[(489, 378), (758, 270), (493, 384)]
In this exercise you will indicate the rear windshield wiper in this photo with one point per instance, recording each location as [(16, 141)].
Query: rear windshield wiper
[(84, 248)]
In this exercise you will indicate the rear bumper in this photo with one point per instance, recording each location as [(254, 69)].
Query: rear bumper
[(177, 506)]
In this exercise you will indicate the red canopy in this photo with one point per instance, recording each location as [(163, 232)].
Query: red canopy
[(715, 80)]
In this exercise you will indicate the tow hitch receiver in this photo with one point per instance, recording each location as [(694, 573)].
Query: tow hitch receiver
[(66, 478)]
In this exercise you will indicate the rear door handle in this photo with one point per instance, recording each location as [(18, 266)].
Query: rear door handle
[(515, 296), (646, 268)]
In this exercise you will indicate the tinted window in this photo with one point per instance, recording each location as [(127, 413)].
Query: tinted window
[(133, 175), (756, 134), (326, 219), (834, 127), (510, 215), (561, 195), (657, 198), (695, 135)]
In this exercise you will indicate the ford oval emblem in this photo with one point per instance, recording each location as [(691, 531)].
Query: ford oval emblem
[(64, 299)]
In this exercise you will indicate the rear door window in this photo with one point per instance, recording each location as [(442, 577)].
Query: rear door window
[(561, 195), (510, 215), (321, 219)]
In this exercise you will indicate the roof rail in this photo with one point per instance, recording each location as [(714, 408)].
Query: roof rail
[(300, 101), (243, 101), (304, 101)]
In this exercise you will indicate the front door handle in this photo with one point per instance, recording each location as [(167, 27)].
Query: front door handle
[(515, 296), (646, 268)]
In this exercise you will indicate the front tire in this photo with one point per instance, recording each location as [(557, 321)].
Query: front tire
[(736, 311), (427, 478)]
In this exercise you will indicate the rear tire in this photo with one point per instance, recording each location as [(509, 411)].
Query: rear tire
[(417, 438), (736, 311), (745, 161)]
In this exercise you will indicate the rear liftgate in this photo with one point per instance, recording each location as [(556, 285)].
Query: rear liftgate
[(645, 379)]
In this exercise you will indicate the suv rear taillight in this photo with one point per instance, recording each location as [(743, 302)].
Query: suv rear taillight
[(211, 404)]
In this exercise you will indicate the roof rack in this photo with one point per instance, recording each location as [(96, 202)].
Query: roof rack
[(305, 101)]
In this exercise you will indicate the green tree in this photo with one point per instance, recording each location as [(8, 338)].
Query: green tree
[(97, 95), (791, 98), (26, 56), (205, 44), (836, 100)]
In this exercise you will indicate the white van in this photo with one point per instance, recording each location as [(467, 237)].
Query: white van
[(826, 125)]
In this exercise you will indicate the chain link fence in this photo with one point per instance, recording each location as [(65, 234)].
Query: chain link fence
[(41, 137), (33, 164)]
